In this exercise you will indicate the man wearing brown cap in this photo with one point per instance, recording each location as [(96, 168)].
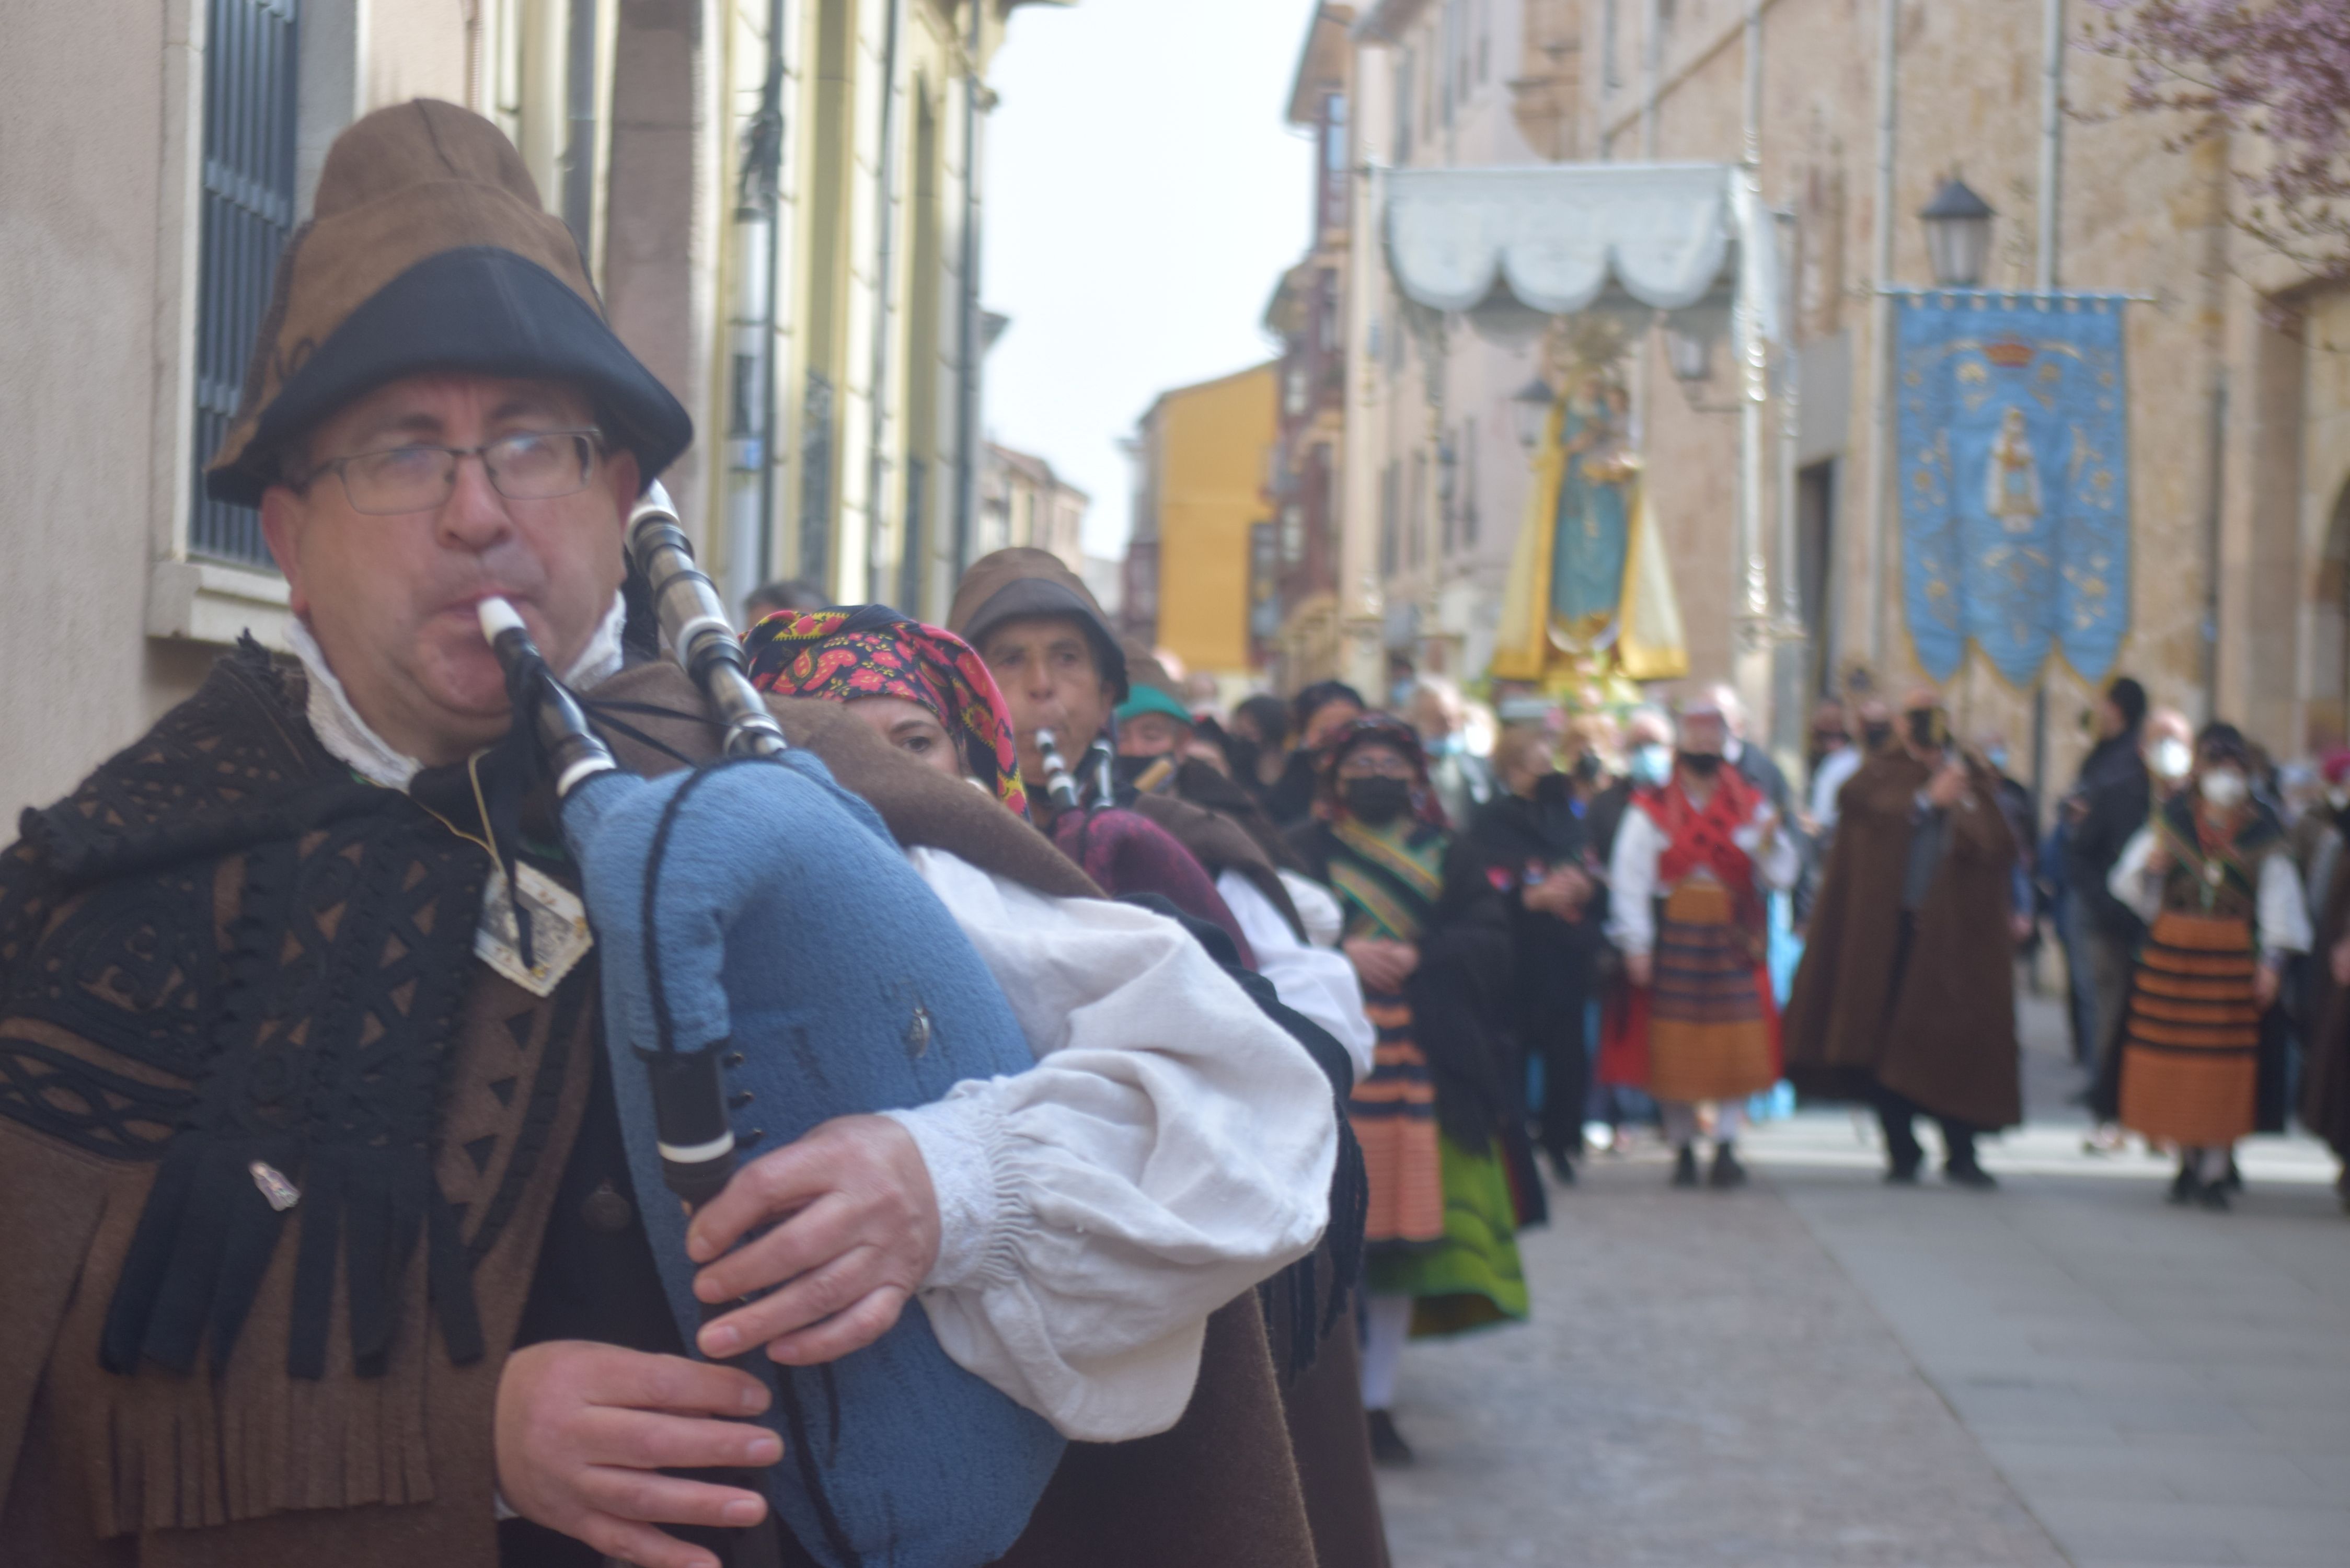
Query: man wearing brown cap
[(321, 1244)]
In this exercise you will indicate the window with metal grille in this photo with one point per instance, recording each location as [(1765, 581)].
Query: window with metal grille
[(248, 211)]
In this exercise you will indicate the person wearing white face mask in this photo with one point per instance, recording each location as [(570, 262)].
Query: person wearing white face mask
[(2167, 755), (2212, 876)]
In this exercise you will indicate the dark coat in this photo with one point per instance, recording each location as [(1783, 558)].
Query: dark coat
[(2326, 1074), (1519, 842), (2115, 794), (1946, 1039)]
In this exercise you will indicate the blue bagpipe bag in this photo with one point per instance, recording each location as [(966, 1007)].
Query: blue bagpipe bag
[(788, 921)]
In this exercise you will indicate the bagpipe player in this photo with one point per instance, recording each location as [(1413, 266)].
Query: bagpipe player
[(321, 1245)]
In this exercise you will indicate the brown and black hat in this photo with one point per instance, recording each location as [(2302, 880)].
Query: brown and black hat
[(1010, 583), (429, 250)]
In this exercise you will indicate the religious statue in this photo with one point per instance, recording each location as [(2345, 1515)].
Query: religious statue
[(2011, 492), (1592, 525)]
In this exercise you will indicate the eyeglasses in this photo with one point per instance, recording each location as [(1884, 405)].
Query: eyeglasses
[(528, 466)]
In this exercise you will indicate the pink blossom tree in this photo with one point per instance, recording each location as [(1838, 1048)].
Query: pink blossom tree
[(2276, 69)]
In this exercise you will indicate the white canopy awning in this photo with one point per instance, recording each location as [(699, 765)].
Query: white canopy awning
[(1508, 245)]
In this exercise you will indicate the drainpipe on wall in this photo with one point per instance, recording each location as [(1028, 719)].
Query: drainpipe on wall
[(751, 412), (885, 184), (967, 332), (1880, 333), (579, 104), (2043, 279)]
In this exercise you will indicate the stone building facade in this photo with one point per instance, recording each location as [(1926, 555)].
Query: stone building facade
[(777, 198), (2239, 368), (1023, 502)]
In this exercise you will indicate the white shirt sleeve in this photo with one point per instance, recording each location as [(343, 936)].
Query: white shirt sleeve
[(1317, 983), (2284, 913), (1171, 1147), (1829, 782), (1317, 907), (1776, 869), (1632, 883), (2136, 891)]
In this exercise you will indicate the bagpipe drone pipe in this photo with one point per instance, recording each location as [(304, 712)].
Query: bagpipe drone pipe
[(771, 961)]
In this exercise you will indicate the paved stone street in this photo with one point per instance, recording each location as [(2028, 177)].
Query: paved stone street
[(1821, 1371)]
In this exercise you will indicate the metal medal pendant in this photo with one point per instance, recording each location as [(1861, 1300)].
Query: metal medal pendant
[(559, 937), (280, 1193)]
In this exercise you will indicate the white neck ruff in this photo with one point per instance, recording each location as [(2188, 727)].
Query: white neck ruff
[(354, 740)]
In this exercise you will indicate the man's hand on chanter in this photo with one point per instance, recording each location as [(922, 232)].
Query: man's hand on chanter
[(859, 1233), (584, 1430)]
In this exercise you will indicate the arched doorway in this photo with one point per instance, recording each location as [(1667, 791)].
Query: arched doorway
[(2328, 723)]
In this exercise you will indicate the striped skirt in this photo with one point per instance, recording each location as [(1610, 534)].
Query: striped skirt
[(2190, 1059), (1709, 1027), (1393, 1113)]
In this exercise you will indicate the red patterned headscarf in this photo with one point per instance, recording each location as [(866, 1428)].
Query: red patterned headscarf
[(841, 655)]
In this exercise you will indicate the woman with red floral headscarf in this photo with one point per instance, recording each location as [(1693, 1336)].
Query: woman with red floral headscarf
[(922, 689), (1430, 939)]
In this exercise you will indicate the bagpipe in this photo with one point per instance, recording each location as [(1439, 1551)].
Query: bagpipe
[(771, 961)]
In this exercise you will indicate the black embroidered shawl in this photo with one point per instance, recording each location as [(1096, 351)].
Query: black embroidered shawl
[(267, 956)]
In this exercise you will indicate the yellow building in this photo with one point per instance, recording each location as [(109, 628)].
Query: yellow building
[(1198, 564)]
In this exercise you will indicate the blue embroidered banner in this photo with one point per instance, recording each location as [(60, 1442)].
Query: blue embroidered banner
[(2013, 432)]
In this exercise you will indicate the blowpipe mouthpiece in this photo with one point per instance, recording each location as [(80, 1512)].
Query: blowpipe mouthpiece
[(498, 617), (573, 750)]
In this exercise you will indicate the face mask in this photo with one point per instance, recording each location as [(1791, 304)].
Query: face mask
[(1447, 745), (1587, 767), (1126, 770), (1928, 731), (1997, 758), (1877, 733), (2338, 797), (1376, 801), (2172, 761), (1242, 754), (1704, 765), (2225, 788), (1652, 764)]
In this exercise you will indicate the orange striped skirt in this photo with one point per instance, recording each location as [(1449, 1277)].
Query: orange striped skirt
[(1393, 1113), (2190, 1062), (1709, 1021)]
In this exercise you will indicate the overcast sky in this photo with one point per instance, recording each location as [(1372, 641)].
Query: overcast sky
[(1144, 194)]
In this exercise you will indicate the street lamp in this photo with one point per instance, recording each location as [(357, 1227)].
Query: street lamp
[(1958, 234), (1690, 354), (1530, 406)]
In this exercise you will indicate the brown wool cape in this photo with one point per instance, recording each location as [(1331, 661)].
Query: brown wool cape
[(253, 1468), (1948, 1041), (2325, 1075)]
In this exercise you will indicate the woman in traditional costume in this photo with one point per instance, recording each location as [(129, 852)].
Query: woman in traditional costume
[(922, 688), (1695, 1024), (2211, 874), (1431, 940)]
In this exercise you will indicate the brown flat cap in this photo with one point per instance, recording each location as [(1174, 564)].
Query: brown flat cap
[(429, 250), (1018, 582)]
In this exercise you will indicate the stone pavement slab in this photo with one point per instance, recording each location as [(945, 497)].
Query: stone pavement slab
[(2159, 1385), (1824, 1371), (1702, 1385)]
